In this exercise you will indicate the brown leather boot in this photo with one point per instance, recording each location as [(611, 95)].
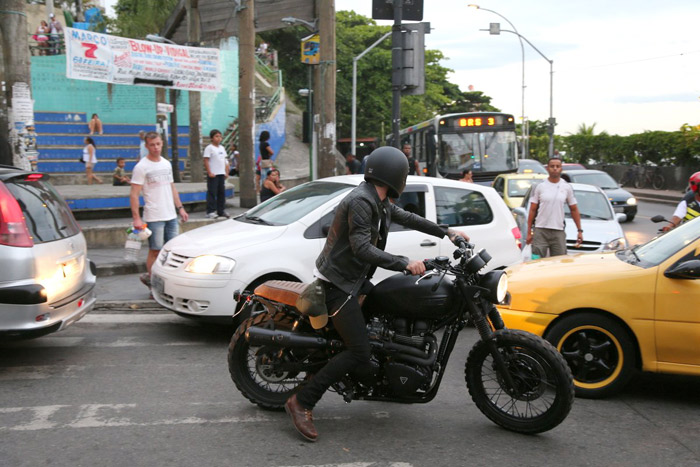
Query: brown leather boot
[(302, 418)]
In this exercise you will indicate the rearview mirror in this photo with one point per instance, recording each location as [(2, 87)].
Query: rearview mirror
[(659, 218), (685, 270), (519, 212), (620, 217)]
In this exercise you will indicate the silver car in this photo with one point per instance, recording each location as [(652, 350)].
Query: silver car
[(46, 280), (600, 224)]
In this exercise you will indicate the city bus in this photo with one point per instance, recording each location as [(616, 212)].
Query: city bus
[(446, 144)]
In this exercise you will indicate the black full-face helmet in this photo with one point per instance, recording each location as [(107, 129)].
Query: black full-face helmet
[(389, 166)]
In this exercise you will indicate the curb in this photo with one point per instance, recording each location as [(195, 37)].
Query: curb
[(118, 269), (136, 306)]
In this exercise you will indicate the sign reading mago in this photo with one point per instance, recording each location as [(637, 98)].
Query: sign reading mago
[(111, 59)]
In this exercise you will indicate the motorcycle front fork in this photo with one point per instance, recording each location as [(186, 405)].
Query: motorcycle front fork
[(477, 310)]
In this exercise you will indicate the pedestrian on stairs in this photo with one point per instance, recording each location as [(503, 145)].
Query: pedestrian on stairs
[(90, 160)]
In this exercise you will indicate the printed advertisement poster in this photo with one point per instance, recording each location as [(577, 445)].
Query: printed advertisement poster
[(93, 56)]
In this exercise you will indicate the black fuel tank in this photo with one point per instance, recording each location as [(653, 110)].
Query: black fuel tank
[(399, 295)]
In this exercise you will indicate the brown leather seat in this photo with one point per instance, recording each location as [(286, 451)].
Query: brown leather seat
[(285, 292)]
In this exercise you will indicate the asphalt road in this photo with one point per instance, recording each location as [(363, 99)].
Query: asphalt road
[(641, 229), (151, 389)]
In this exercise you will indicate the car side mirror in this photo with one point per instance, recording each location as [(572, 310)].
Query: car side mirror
[(519, 212), (620, 217), (685, 270)]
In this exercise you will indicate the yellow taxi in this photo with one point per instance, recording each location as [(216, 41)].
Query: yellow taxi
[(610, 314), (512, 187)]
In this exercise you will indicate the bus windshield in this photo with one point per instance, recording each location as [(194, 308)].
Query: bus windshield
[(486, 151)]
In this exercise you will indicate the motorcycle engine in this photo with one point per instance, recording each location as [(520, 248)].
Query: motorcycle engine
[(404, 370), (405, 379)]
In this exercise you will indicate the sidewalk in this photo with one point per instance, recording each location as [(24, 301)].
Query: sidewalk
[(671, 197)]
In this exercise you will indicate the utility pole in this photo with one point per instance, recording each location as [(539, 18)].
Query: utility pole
[(175, 159), (15, 66), (324, 101), (396, 71), (246, 102), (194, 35)]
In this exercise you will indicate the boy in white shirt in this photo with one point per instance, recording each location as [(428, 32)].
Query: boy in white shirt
[(217, 170)]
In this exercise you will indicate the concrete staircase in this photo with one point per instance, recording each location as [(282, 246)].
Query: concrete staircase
[(60, 139)]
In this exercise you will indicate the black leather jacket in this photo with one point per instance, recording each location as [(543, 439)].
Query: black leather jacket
[(356, 239)]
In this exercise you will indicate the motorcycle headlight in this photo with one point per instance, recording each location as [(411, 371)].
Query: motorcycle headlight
[(211, 264), (617, 244), (496, 282), (632, 201)]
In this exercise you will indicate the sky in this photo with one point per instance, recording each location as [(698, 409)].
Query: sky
[(625, 66)]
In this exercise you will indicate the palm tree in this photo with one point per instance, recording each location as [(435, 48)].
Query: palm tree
[(586, 130)]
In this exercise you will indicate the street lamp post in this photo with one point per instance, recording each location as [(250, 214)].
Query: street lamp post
[(353, 139), (308, 93), (551, 123), (523, 127)]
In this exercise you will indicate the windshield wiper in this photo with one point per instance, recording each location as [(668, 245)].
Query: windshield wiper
[(636, 257), (257, 220)]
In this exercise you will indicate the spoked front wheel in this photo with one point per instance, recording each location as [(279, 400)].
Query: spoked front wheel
[(542, 390)]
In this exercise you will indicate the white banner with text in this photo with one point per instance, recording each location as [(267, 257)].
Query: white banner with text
[(93, 56)]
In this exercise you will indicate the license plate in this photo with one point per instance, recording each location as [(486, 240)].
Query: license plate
[(157, 284), (619, 209)]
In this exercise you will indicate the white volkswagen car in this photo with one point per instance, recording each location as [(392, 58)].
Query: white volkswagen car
[(197, 272)]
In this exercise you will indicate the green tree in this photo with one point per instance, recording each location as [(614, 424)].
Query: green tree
[(137, 18), (354, 34)]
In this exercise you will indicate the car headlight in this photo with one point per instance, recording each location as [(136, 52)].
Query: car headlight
[(211, 264), (632, 201), (617, 244), (496, 282)]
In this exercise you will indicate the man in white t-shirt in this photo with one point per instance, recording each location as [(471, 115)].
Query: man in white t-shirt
[(216, 164), (547, 214), (153, 178)]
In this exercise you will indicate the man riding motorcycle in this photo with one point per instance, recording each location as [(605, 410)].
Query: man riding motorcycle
[(354, 249), (689, 207)]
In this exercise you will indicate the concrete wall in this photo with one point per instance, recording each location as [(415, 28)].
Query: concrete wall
[(53, 92), (276, 127), (676, 177)]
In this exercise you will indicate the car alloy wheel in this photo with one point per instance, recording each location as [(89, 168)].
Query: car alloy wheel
[(598, 350)]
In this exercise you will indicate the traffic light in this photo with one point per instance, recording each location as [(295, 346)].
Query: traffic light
[(414, 57)]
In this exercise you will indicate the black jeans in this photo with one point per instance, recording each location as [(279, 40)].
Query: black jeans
[(350, 325), (216, 194)]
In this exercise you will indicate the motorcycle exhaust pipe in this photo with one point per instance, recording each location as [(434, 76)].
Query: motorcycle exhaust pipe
[(280, 338)]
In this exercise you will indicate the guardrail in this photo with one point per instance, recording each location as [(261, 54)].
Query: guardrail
[(53, 45), (266, 105)]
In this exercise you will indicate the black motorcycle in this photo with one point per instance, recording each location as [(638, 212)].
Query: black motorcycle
[(517, 379)]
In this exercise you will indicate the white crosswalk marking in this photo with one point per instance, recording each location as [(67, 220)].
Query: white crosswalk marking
[(134, 318), (111, 416)]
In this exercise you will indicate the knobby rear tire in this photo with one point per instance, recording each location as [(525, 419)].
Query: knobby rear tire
[(245, 365), (544, 391)]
